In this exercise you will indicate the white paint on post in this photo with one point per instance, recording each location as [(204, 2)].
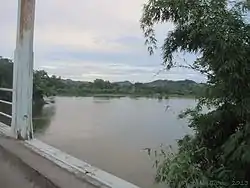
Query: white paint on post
[(21, 124)]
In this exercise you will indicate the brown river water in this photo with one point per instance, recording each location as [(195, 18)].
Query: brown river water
[(111, 133)]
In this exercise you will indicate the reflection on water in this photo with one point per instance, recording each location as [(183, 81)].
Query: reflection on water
[(42, 116), (110, 133), (102, 99)]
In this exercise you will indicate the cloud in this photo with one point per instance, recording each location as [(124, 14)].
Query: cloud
[(48, 67), (116, 71), (74, 39), (88, 39)]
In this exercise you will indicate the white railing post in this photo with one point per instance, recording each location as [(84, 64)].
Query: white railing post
[(21, 124)]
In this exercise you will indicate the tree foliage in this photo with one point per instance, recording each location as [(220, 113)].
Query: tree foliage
[(5, 77), (218, 31), (100, 87), (40, 87)]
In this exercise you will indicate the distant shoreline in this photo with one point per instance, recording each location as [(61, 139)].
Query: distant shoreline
[(104, 95), (51, 100)]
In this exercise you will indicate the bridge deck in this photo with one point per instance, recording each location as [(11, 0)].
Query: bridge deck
[(20, 167), (34, 163), (11, 176)]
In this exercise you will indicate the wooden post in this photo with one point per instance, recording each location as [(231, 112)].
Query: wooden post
[(21, 124)]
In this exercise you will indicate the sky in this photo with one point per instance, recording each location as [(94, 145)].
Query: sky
[(90, 39)]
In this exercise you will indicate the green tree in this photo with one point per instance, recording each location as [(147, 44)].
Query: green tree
[(218, 31), (41, 87), (5, 77)]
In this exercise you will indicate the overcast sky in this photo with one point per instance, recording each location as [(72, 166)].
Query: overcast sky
[(89, 39)]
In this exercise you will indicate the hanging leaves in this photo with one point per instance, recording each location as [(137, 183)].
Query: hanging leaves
[(219, 31)]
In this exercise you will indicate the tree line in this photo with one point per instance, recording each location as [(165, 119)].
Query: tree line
[(45, 85), (100, 87)]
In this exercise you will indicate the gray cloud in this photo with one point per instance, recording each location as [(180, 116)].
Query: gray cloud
[(84, 40)]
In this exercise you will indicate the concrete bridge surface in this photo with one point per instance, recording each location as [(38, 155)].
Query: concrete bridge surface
[(35, 164), (11, 176), (22, 168)]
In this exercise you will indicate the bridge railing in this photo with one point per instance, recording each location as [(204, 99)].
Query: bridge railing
[(6, 102)]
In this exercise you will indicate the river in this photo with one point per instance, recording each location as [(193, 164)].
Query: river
[(110, 133)]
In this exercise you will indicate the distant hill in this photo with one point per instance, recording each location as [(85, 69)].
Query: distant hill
[(180, 87), (124, 83), (53, 85), (164, 83), (157, 87)]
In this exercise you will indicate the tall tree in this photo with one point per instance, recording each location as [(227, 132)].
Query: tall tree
[(41, 81), (217, 30)]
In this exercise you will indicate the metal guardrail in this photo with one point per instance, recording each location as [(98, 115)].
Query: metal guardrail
[(6, 102), (6, 115), (6, 89)]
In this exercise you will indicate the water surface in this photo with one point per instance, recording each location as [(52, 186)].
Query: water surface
[(111, 133)]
